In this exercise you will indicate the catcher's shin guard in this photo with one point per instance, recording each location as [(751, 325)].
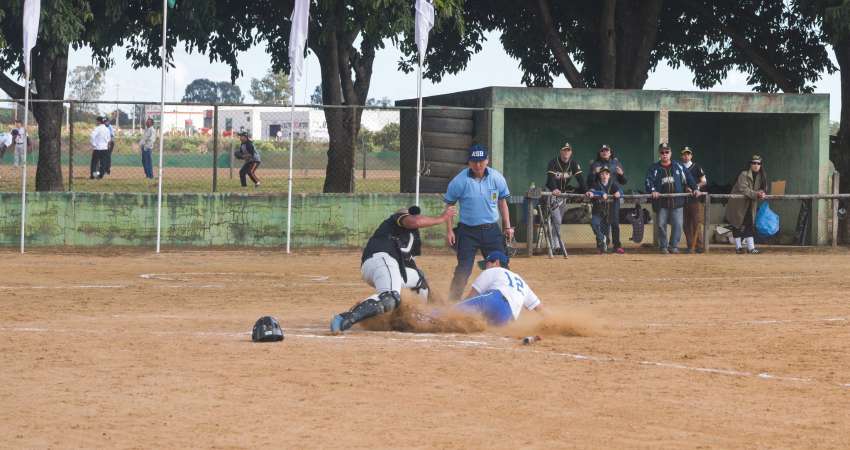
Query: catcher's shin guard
[(371, 307), (422, 289)]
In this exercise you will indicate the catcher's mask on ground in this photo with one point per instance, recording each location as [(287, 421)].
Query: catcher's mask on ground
[(267, 329)]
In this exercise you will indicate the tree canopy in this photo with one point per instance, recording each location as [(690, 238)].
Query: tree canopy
[(272, 89)]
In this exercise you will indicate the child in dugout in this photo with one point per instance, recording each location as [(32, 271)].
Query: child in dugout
[(600, 191)]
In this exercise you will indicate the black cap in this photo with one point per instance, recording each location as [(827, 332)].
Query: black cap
[(663, 146)]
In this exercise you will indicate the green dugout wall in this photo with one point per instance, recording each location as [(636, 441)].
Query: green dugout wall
[(525, 127)]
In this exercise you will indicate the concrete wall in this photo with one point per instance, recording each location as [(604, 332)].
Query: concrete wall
[(94, 219)]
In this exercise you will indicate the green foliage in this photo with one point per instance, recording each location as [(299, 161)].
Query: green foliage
[(272, 89), (86, 83), (316, 96), (202, 90)]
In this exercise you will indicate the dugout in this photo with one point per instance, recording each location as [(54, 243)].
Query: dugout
[(525, 127)]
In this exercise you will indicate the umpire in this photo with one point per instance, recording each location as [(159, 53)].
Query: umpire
[(482, 194)]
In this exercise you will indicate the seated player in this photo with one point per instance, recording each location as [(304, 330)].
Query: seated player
[(499, 294), (388, 265)]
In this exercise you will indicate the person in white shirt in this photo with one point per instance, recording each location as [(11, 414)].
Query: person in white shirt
[(100, 149), (19, 143), (5, 142), (146, 143), (499, 294)]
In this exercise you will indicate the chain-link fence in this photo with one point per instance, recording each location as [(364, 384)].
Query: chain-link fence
[(201, 148)]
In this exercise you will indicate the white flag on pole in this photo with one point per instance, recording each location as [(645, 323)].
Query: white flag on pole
[(32, 13), (298, 38), (424, 23)]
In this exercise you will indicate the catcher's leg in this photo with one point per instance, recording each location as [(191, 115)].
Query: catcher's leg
[(417, 283), (376, 304)]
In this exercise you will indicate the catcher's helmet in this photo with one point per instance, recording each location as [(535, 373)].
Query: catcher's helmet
[(267, 329)]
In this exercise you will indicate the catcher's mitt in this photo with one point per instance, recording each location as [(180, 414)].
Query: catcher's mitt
[(239, 154)]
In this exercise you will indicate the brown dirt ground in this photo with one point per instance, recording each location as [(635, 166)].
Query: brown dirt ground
[(712, 351)]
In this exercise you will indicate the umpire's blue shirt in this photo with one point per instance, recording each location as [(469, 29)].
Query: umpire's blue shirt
[(479, 199)]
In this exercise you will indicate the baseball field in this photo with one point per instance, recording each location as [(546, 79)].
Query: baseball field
[(119, 348)]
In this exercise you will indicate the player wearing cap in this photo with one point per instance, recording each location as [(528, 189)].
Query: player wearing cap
[(693, 212), (667, 176), (251, 156), (605, 158), (605, 192), (559, 173), (100, 148), (741, 212), (388, 265), (499, 294), (482, 195)]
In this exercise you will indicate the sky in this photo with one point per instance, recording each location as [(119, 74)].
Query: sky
[(490, 67)]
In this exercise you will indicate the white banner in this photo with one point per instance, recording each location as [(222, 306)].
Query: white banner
[(424, 23), (32, 13), (298, 39)]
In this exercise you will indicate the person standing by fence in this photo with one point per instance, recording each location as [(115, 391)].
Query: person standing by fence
[(605, 158), (107, 164), (560, 171), (741, 212), (100, 149), (18, 134), (694, 213), (147, 143), (668, 177), (251, 156), (605, 193)]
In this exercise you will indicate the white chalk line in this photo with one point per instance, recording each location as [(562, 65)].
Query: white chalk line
[(63, 286), (723, 278), (749, 322), (452, 341), (313, 280)]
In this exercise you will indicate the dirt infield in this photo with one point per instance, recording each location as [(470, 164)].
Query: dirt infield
[(125, 349)]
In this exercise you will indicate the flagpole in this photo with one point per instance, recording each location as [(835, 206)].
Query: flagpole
[(419, 127), (24, 175), (291, 151), (161, 128)]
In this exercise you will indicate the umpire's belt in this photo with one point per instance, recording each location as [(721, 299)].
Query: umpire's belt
[(483, 226)]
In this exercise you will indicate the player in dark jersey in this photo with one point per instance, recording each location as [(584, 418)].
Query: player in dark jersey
[(388, 265)]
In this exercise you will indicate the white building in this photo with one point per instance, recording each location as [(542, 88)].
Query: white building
[(264, 122), (183, 119)]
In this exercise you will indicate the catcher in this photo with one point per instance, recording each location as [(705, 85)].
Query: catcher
[(388, 264), (251, 156)]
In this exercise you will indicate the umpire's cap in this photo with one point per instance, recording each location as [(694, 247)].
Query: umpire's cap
[(495, 256), (477, 152)]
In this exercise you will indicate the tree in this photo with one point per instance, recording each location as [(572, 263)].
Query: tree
[(383, 102), (316, 97), (272, 89), (229, 93), (388, 138), (86, 83), (63, 23), (344, 35), (201, 90)]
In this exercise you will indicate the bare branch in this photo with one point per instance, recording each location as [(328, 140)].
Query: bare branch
[(557, 47)]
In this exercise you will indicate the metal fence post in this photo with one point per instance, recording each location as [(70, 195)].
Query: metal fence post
[(835, 205), (71, 147), (706, 223), (230, 161), (529, 224), (215, 149)]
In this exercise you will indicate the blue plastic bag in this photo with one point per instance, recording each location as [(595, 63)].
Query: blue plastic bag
[(767, 222)]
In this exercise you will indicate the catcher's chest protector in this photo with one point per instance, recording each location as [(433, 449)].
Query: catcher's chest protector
[(267, 329)]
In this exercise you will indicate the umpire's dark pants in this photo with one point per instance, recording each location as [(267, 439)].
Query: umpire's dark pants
[(97, 163), (469, 240)]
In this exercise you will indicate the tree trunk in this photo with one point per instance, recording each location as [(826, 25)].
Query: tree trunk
[(840, 154), (571, 73), (636, 33), (607, 45), (343, 128), (48, 175)]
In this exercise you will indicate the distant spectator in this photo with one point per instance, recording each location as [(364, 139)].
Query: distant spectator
[(108, 163), (100, 149), (19, 134), (147, 142), (694, 213), (559, 173), (741, 212), (279, 135), (251, 156), (668, 177), (601, 191), (6, 141), (605, 158)]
